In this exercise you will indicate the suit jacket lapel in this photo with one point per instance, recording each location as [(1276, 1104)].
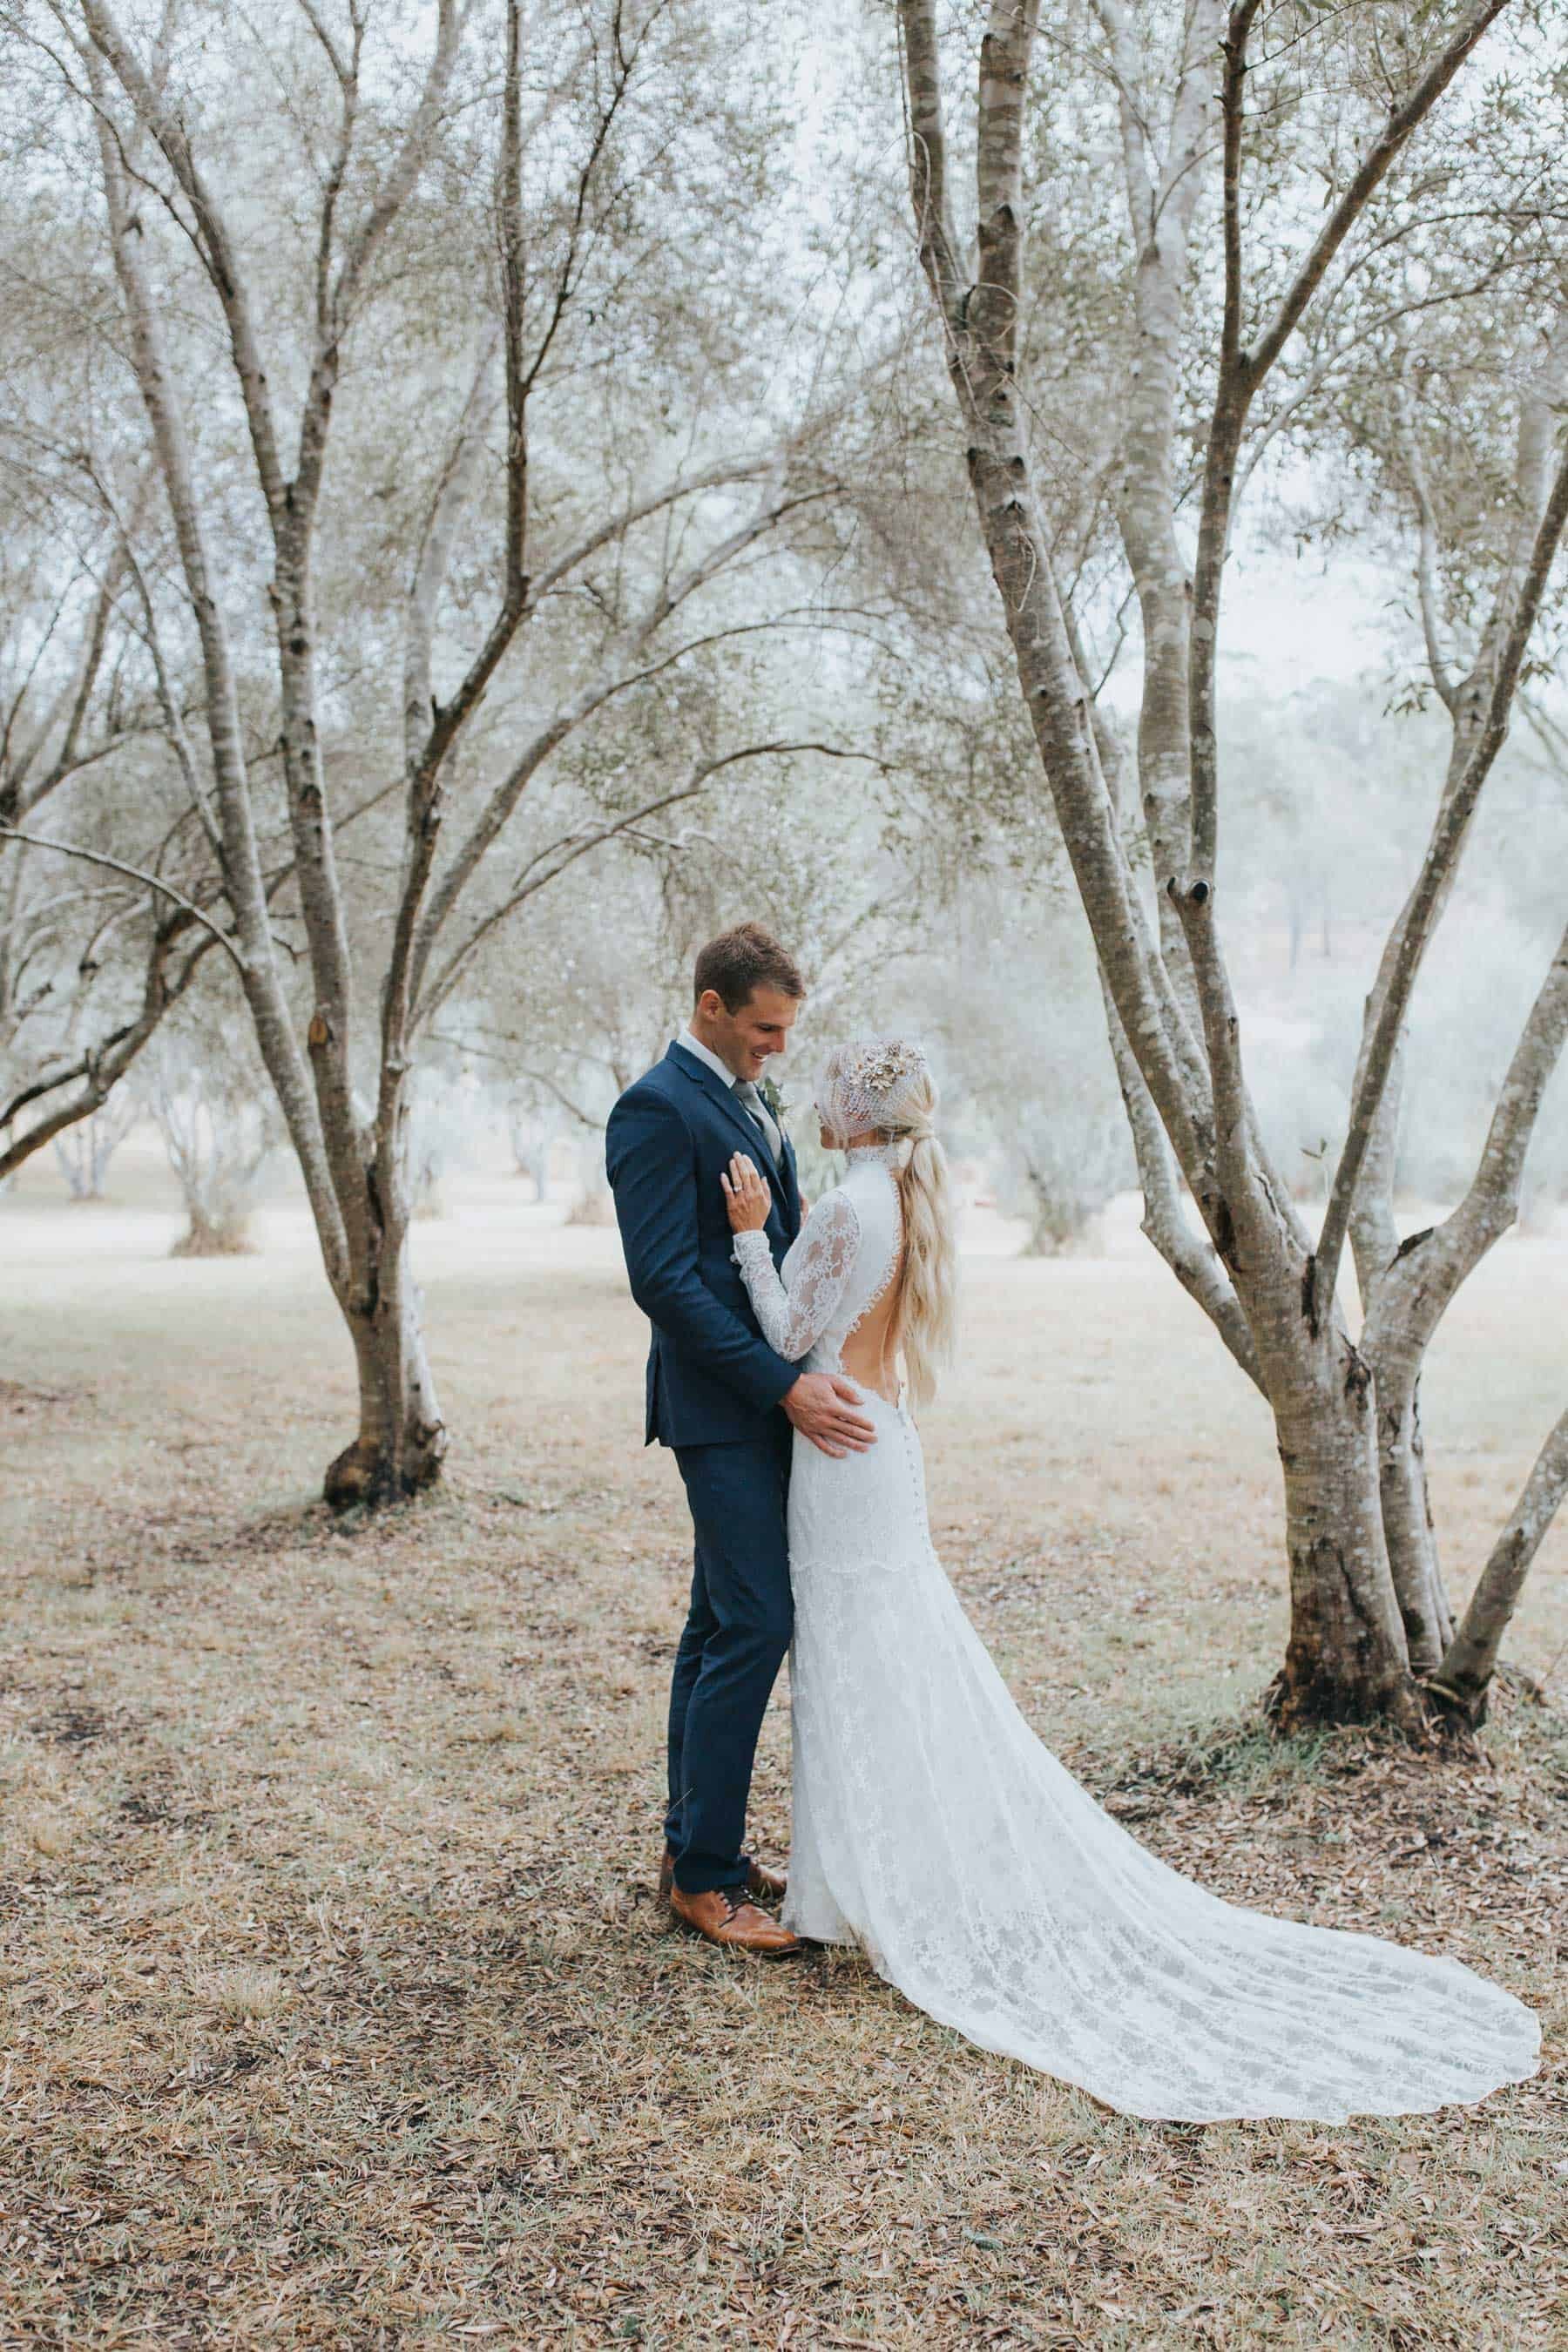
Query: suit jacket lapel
[(719, 1094), (791, 1180)]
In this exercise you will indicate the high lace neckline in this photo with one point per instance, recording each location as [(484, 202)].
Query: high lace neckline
[(872, 1155)]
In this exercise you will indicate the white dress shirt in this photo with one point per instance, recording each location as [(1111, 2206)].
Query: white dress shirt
[(755, 1107), (705, 1054)]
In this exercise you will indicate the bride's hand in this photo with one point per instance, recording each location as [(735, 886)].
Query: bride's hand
[(745, 1196)]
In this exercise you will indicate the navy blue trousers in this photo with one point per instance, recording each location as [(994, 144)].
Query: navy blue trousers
[(737, 1631)]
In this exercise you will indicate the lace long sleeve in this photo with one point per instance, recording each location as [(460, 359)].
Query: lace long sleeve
[(793, 1320)]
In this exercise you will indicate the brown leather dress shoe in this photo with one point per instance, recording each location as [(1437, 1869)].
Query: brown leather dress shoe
[(723, 1915), (762, 1886), (765, 1886)]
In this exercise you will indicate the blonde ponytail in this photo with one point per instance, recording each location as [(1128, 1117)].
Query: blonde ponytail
[(928, 1288)]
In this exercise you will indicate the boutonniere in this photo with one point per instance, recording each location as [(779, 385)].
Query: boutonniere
[(775, 1101)]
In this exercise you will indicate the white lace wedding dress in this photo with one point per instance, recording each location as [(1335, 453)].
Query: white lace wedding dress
[(933, 1829)]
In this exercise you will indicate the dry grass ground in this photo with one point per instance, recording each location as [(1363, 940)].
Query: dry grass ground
[(337, 2007)]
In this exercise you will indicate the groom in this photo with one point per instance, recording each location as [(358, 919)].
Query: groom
[(721, 1398)]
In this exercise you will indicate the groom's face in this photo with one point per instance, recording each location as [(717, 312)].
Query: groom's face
[(744, 1039)]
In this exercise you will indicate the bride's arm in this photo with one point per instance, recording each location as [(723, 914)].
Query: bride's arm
[(793, 1320)]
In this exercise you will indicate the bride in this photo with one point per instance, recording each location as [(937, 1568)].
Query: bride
[(933, 1829)]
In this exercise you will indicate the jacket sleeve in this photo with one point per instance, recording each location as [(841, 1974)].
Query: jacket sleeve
[(649, 1163), (793, 1320)]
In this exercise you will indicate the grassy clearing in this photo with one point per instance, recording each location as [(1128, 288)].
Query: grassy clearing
[(337, 2007)]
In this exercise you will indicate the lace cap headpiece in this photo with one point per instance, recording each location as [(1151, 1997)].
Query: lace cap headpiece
[(875, 1082)]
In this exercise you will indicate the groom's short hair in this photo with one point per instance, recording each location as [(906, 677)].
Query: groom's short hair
[(738, 963)]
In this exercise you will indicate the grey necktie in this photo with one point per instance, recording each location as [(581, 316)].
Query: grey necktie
[(749, 1100)]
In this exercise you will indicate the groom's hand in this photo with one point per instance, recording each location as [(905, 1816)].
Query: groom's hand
[(826, 1410)]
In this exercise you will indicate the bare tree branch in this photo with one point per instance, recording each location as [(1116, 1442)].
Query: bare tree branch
[(1426, 556), (1403, 119), (545, 868), (1195, 1261), (135, 874), (614, 677), (102, 1066), (1470, 1659), (1408, 945), (213, 243), (939, 246)]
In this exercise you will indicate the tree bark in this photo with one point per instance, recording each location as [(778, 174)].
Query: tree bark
[(1346, 1661), (401, 1442), (1407, 1526)]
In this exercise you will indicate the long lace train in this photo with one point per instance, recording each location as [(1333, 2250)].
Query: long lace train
[(934, 1829)]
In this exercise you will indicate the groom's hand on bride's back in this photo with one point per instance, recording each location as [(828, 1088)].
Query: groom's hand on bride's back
[(828, 1410)]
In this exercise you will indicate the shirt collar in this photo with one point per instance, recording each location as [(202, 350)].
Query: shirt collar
[(691, 1044)]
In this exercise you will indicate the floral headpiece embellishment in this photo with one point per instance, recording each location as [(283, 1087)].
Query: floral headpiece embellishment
[(880, 1067)]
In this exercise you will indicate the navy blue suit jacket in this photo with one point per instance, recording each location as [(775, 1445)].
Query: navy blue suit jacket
[(712, 1379)]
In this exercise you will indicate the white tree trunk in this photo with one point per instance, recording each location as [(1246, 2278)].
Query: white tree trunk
[(401, 1442)]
